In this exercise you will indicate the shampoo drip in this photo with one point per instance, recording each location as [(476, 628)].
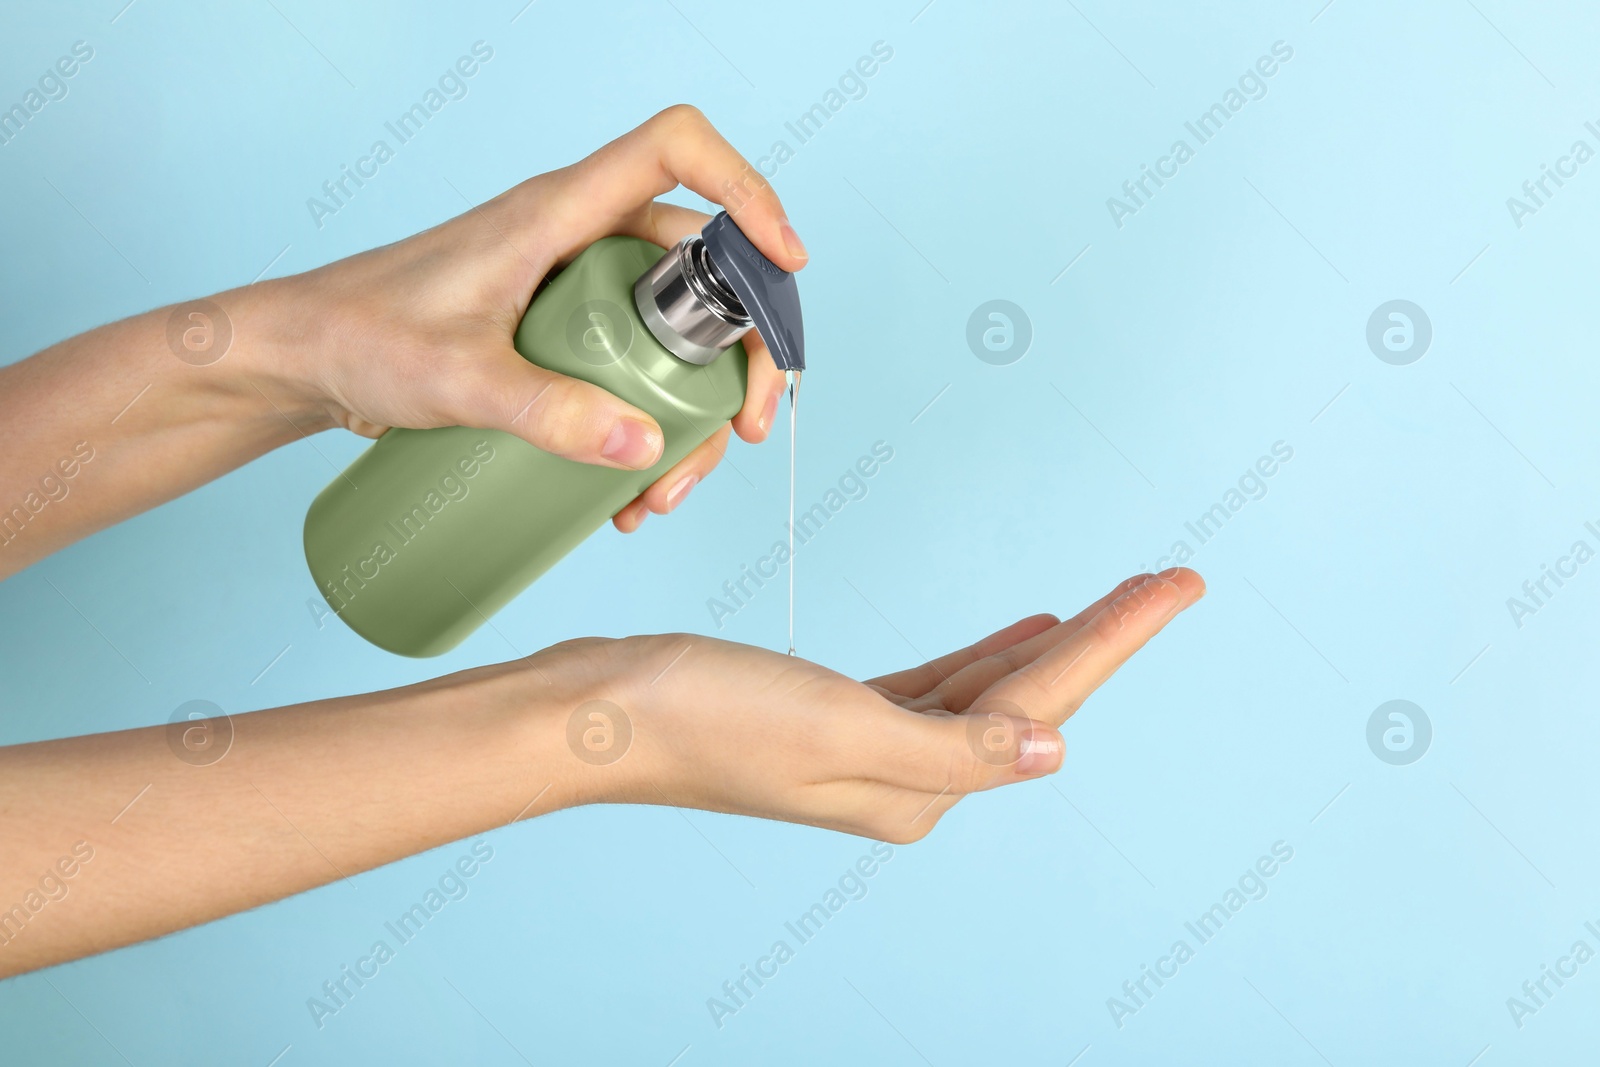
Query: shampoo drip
[(794, 413)]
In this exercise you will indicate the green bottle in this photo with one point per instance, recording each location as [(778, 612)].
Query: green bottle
[(430, 532)]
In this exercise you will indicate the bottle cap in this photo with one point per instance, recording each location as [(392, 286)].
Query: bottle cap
[(703, 295)]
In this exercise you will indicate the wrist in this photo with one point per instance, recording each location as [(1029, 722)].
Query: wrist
[(270, 363), (538, 716), (585, 709)]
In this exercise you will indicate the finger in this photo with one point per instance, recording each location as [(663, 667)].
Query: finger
[(943, 670), (662, 223), (1056, 684), (761, 396), (666, 225), (631, 517), (673, 487), (1076, 622), (918, 680), (955, 692), (951, 757), (679, 146), (551, 411)]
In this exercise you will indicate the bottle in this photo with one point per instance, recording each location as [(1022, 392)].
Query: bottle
[(430, 532)]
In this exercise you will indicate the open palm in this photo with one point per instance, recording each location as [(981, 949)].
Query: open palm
[(729, 727)]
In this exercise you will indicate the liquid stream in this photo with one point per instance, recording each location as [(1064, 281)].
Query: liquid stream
[(794, 413)]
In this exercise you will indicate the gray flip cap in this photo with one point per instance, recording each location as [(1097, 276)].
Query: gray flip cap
[(769, 295)]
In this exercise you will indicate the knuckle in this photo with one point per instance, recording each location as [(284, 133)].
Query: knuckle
[(1070, 704), (573, 644), (679, 115), (1033, 676), (560, 418), (1013, 659), (1106, 625), (1128, 585), (965, 772)]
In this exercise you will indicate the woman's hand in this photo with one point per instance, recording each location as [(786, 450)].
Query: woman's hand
[(692, 721), (414, 334), (418, 333), (244, 810)]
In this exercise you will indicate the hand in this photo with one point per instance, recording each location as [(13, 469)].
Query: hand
[(418, 333), (728, 727), (302, 795)]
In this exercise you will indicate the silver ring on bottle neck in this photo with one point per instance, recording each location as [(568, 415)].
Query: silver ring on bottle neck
[(687, 305)]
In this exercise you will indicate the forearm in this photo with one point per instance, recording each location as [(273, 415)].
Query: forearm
[(156, 838), (113, 422)]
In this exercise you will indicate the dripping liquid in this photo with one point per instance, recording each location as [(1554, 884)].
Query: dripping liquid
[(794, 412)]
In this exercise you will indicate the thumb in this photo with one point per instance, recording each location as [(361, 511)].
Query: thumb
[(1008, 746), (561, 415)]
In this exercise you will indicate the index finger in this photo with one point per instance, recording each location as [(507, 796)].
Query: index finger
[(678, 146), (1057, 683), (1027, 634)]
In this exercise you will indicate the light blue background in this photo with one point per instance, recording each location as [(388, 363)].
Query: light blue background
[(1225, 316)]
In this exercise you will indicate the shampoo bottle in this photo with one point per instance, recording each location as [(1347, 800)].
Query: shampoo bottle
[(430, 532)]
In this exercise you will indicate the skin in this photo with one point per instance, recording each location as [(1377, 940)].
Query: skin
[(415, 334), (187, 824)]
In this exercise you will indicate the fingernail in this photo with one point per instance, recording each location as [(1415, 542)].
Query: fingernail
[(768, 413), (676, 494), (632, 444), (1041, 752), (792, 242)]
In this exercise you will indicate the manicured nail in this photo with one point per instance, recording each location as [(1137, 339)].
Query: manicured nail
[(632, 444), (769, 412), (1041, 752), (676, 494), (792, 242)]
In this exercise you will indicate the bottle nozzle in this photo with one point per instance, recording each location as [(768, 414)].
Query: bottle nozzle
[(703, 295)]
